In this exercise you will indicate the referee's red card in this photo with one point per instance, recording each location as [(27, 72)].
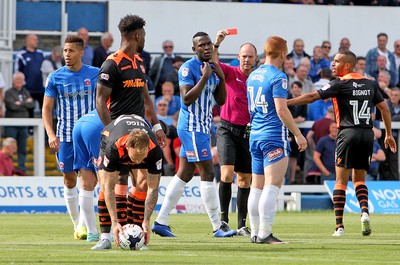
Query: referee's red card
[(232, 31)]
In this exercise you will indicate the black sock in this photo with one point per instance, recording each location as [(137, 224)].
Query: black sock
[(242, 198), (225, 194)]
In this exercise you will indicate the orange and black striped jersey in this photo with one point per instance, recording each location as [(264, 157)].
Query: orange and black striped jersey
[(126, 77), (353, 97), (113, 152)]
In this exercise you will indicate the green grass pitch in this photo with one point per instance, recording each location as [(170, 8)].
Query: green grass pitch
[(48, 239)]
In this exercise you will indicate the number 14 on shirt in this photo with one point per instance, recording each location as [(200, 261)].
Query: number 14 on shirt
[(258, 101)]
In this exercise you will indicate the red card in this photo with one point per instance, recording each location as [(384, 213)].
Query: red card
[(232, 31)]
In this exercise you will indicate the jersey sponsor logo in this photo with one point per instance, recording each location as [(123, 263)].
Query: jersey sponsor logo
[(159, 164), (134, 83), (237, 79), (284, 83), (191, 154), (185, 71), (87, 82), (126, 67), (357, 85), (257, 77), (75, 94), (104, 76), (66, 84), (204, 152), (275, 154)]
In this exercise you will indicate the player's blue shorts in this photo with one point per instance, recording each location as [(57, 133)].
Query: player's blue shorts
[(65, 157), (265, 153), (196, 146), (86, 137)]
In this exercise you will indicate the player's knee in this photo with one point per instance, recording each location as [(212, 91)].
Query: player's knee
[(244, 180), (70, 180)]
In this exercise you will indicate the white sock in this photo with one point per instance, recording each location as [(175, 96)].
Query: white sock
[(71, 201), (172, 195), (252, 206), (267, 209), (209, 196), (106, 236), (87, 210)]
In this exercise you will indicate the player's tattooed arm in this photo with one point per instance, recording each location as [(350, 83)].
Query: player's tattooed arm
[(153, 181)]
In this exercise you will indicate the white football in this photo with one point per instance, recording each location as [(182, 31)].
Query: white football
[(131, 237)]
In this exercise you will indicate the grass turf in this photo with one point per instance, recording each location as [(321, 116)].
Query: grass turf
[(48, 239)]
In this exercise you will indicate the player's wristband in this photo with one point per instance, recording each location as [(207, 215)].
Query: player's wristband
[(156, 127), (216, 46)]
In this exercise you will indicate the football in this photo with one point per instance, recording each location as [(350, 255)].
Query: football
[(131, 237)]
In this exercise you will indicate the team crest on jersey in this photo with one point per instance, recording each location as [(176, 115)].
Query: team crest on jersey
[(87, 82), (185, 72), (104, 76), (204, 152), (142, 68), (275, 154), (284, 83), (159, 164)]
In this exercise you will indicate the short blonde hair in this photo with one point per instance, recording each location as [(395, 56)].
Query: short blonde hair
[(139, 140)]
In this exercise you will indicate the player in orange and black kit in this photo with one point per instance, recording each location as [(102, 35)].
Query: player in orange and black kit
[(116, 152), (122, 89), (353, 97)]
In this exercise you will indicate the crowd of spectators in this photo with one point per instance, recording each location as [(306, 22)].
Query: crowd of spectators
[(305, 73)]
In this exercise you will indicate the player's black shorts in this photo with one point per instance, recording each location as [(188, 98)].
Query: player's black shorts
[(354, 148), (233, 147), (293, 146)]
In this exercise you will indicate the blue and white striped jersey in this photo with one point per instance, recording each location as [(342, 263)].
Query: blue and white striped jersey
[(75, 95), (263, 85), (196, 117)]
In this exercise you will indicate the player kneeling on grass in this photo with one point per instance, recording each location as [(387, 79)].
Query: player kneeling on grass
[(128, 141)]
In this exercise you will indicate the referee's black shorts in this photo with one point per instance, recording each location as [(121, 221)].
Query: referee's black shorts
[(233, 147), (354, 147)]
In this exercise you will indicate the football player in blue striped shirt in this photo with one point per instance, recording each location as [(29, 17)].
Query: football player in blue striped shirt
[(72, 89)]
